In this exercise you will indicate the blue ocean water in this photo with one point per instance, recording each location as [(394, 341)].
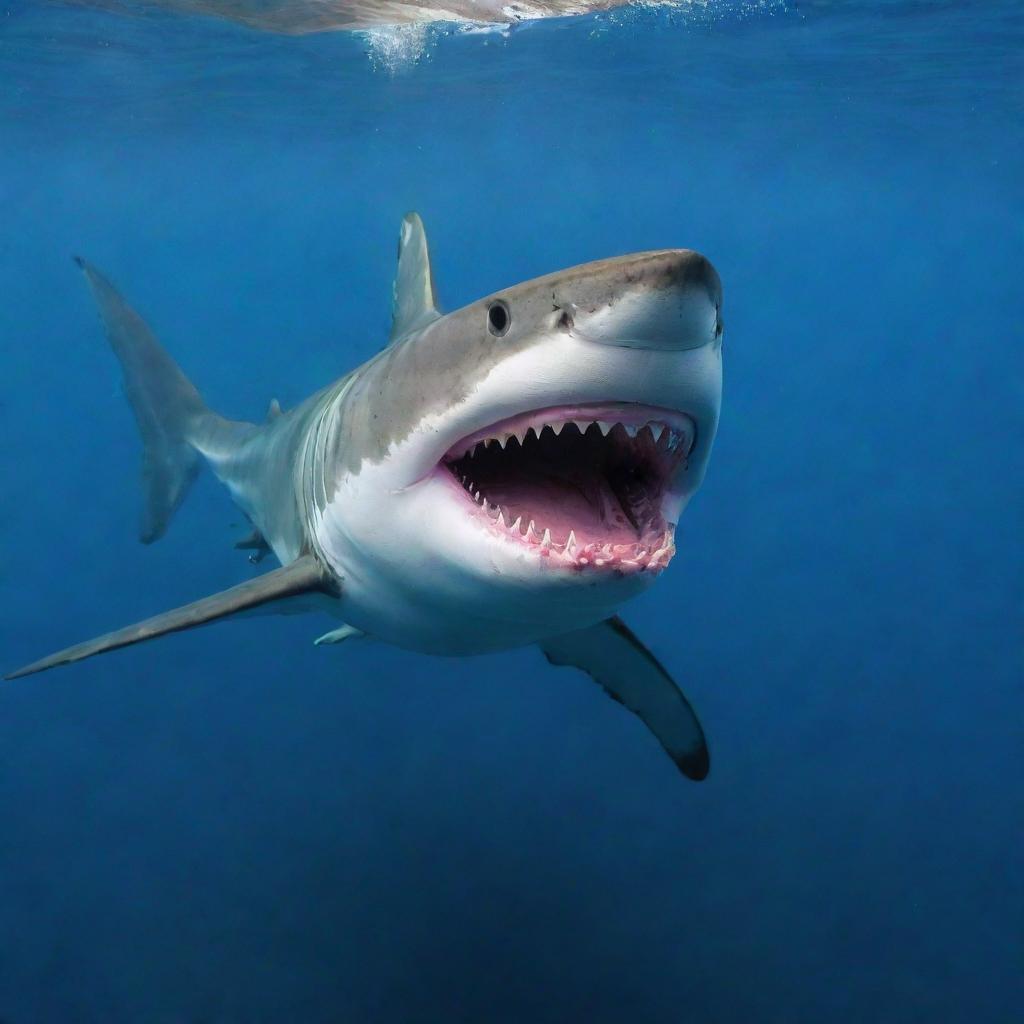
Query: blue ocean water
[(234, 826)]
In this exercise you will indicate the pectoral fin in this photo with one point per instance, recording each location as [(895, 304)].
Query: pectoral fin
[(303, 576), (611, 655)]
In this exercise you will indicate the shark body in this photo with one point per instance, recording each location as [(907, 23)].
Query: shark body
[(507, 474)]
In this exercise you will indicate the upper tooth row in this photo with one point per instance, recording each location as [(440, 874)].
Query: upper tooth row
[(674, 437)]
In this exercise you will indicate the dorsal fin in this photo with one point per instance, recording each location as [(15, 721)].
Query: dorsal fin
[(414, 302)]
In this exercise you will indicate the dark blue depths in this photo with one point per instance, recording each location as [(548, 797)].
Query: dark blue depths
[(234, 826)]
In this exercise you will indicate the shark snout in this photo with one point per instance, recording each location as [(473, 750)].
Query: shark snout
[(669, 300)]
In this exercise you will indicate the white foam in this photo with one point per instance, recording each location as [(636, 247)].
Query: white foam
[(395, 48)]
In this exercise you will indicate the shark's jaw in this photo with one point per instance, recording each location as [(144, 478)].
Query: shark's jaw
[(589, 488)]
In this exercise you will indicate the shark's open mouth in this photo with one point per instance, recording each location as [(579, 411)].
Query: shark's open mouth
[(584, 485)]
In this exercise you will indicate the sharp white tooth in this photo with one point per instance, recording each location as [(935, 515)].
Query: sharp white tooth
[(531, 533), (582, 425), (515, 525), (556, 428), (500, 520), (631, 429), (570, 544), (546, 539), (604, 426), (656, 429), (520, 436)]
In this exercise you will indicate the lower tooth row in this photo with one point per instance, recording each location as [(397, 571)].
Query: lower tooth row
[(652, 554), (532, 534)]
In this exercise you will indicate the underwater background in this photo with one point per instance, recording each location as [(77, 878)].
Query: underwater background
[(232, 825)]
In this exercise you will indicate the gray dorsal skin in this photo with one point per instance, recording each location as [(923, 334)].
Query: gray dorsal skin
[(611, 655), (357, 491), (303, 576)]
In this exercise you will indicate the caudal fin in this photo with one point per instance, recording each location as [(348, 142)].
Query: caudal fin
[(165, 403)]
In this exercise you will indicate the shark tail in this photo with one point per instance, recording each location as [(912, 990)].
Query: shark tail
[(167, 407)]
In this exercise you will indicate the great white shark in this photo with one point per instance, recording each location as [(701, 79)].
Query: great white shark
[(506, 474)]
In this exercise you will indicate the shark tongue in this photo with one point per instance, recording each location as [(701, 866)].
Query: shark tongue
[(580, 500)]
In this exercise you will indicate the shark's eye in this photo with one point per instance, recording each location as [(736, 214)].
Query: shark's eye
[(499, 319)]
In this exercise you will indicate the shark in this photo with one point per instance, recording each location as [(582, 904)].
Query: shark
[(302, 17), (504, 475)]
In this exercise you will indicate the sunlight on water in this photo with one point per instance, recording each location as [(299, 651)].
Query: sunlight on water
[(396, 48)]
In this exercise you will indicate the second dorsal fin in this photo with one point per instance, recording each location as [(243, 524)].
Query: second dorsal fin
[(414, 303)]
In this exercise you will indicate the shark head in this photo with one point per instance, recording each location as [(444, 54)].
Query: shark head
[(518, 467)]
